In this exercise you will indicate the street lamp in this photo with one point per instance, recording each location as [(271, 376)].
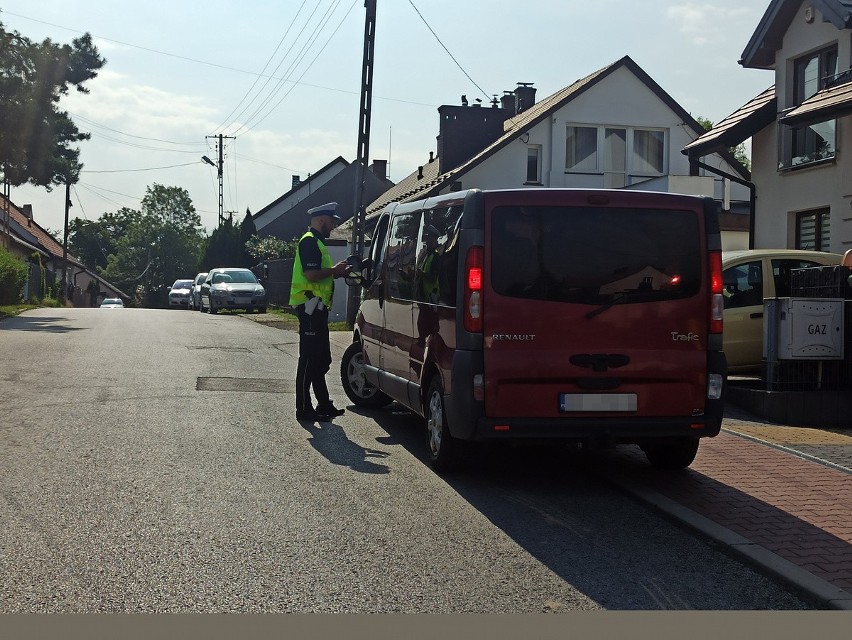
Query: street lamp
[(218, 168)]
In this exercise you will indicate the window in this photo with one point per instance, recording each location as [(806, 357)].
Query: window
[(616, 152), (594, 255), (400, 255), (809, 143), (812, 230), (533, 164), (437, 256), (582, 149), (743, 285)]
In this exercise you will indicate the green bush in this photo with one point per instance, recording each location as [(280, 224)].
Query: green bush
[(13, 275)]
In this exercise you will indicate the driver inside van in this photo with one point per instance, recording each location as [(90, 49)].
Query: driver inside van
[(427, 265)]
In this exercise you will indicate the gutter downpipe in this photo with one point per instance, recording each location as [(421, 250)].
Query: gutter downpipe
[(751, 188)]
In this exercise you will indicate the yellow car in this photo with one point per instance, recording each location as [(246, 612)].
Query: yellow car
[(749, 277)]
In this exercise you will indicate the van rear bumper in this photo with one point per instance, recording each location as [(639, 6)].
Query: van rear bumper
[(610, 430)]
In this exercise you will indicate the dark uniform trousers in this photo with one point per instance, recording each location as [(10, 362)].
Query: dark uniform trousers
[(314, 358)]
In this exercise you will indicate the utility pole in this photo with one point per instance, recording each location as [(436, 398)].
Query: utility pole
[(219, 170), (64, 295), (363, 148)]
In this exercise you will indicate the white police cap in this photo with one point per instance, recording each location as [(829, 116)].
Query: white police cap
[(328, 209)]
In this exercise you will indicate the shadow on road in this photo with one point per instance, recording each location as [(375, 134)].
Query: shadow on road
[(37, 323), (330, 440)]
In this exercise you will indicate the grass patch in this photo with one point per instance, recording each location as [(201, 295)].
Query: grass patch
[(285, 315), (11, 310)]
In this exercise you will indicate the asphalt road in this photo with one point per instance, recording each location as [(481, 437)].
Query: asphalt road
[(150, 462)]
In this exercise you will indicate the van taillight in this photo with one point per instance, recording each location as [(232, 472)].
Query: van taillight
[(473, 290), (717, 301)]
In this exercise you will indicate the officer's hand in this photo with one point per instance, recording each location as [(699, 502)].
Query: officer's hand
[(341, 269)]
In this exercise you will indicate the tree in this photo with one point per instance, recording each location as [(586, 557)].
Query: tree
[(33, 77), (271, 248), (158, 245), (739, 152), (247, 230), (227, 245), (92, 242)]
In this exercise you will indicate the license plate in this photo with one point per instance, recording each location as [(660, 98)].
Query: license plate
[(597, 402), (242, 300)]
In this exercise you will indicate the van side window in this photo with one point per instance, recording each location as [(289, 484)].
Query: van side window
[(401, 254), (377, 250), (437, 256)]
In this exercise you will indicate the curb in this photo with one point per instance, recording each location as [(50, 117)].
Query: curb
[(803, 581)]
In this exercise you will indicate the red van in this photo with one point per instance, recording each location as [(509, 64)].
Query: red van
[(586, 315)]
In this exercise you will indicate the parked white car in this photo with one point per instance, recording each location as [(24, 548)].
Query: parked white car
[(179, 294)]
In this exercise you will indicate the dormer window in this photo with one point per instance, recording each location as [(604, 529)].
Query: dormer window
[(816, 142)]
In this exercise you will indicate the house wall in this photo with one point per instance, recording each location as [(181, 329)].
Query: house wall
[(783, 194), (603, 104)]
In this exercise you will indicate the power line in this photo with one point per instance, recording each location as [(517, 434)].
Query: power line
[(291, 69), (130, 135), (484, 94), (172, 166), (208, 63), (260, 75), (333, 33)]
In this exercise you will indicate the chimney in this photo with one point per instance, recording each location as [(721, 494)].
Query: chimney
[(524, 96), (380, 169), (431, 156), (508, 101), (464, 132), (27, 210), (296, 181), (420, 172)]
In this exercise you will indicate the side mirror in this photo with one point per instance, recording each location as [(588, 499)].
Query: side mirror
[(359, 275)]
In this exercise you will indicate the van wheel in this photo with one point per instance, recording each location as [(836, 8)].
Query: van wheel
[(673, 455), (358, 390), (444, 449)]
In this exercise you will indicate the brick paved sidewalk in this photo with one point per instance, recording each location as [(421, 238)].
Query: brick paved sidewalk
[(795, 508)]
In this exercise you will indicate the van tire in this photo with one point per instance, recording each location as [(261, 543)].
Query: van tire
[(355, 385), (673, 455), (444, 449)]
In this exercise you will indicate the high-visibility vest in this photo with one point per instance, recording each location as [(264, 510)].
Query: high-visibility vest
[(429, 276), (302, 289)]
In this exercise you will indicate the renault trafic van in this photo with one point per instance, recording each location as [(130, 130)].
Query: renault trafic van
[(593, 316)]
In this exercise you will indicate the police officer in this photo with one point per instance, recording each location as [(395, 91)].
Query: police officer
[(311, 293)]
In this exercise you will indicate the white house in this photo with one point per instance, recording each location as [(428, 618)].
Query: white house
[(799, 127), (615, 128)]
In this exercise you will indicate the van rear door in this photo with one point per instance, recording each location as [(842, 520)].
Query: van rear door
[(595, 304)]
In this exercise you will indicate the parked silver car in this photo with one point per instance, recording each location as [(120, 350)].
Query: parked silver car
[(195, 291), (179, 294), (232, 288)]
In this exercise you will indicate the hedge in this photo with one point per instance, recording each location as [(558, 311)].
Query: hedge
[(13, 276)]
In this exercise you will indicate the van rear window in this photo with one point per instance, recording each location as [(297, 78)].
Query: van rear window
[(594, 255)]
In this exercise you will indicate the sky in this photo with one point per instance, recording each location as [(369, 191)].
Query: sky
[(281, 80)]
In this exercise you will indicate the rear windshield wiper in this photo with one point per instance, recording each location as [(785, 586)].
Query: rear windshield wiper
[(617, 298)]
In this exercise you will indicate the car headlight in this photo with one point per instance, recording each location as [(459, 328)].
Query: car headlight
[(259, 293), (219, 293)]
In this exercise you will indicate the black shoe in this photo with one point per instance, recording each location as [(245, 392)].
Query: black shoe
[(309, 415), (330, 411)]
